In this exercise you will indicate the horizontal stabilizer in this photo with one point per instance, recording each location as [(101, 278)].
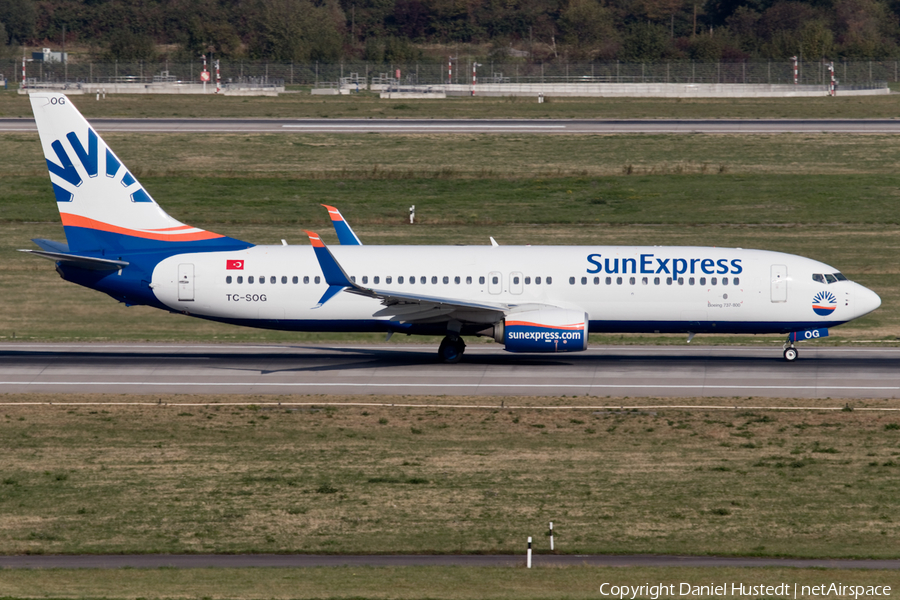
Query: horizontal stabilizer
[(85, 262), (51, 245)]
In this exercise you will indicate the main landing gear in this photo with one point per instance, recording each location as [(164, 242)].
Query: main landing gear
[(451, 350)]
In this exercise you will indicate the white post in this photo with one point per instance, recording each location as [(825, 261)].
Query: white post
[(218, 79), (794, 58), (23, 74), (528, 560), (551, 536), (412, 214)]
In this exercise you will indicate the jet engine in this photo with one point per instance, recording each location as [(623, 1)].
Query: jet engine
[(543, 330)]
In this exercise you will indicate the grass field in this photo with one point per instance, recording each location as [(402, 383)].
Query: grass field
[(404, 583), (830, 197), (369, 105), (269, 478)]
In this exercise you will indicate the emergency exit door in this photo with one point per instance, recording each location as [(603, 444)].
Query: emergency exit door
[(186, 283), (779, 283)]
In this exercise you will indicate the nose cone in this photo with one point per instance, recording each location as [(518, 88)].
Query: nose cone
[(866, 301)]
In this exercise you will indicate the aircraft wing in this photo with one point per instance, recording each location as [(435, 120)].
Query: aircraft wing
[(403, 306), (345, 234)]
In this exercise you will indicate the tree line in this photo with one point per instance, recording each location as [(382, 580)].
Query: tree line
[(423, 30)]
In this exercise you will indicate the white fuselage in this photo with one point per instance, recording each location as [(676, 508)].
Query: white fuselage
[(621, 288)]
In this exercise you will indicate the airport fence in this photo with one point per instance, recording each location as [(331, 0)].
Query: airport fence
[(855, 73)]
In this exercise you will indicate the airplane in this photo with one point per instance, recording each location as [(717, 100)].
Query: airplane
[(119, 241)]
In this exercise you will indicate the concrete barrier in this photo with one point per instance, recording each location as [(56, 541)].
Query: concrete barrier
[(232, 89), (655, 90)]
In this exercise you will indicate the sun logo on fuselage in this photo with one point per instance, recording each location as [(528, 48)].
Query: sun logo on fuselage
[(824, 303)]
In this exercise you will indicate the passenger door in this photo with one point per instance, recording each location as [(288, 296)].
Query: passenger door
[(186, 283), (779, 283)]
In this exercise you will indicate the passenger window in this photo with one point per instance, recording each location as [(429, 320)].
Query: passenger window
[(469, 280), (736, 281), (516, 280), (631, 280), (703, 281), (691, 281), (422, 279), (295, 279), (644, 280), (456, 280), (240, 279), (537, 281), (273, 279), (656, 281), (668, 281), (681, 281), (365, 279), (712, 280), (262, 279), (481, 280), (724, 281), (830, 278), (306, 279), (584, 281), (318, 279), (250, 279), (549, 280), (284, 279), (446, 279), (495, 280), (571, 281), (376, 280), (388, 279), (609, 281), (596, 281), (433, 279), (353, 278), (618, 281), (528, 281), (818, 277), (228, 279)]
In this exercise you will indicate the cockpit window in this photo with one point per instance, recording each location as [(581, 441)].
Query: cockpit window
[(828, 277)]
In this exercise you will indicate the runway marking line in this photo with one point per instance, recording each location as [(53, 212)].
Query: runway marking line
[(458, 385), (465, 406)]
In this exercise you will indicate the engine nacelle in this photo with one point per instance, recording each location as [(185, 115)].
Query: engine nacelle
[(544, 330)]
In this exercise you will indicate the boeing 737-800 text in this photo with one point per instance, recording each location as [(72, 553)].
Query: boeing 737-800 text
[(531, 299)]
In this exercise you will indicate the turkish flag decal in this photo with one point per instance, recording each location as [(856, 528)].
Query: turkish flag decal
[(234, 265)]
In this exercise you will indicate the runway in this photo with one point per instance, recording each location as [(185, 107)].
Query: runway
[(204, 561), (486, 370), (494, 126)]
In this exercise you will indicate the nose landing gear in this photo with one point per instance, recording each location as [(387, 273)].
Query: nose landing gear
[(790, 353)]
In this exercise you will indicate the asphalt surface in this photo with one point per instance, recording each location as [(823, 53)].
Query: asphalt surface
[(188, 561), (486, 370), (602, 126)]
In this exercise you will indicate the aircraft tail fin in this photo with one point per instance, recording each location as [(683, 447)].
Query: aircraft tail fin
[(102, 204)]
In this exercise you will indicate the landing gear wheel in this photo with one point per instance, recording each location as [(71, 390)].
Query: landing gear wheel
[(790, 354), (451, 350)]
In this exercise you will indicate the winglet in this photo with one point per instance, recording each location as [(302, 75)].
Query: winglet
[(335, 276), (345, 235)]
